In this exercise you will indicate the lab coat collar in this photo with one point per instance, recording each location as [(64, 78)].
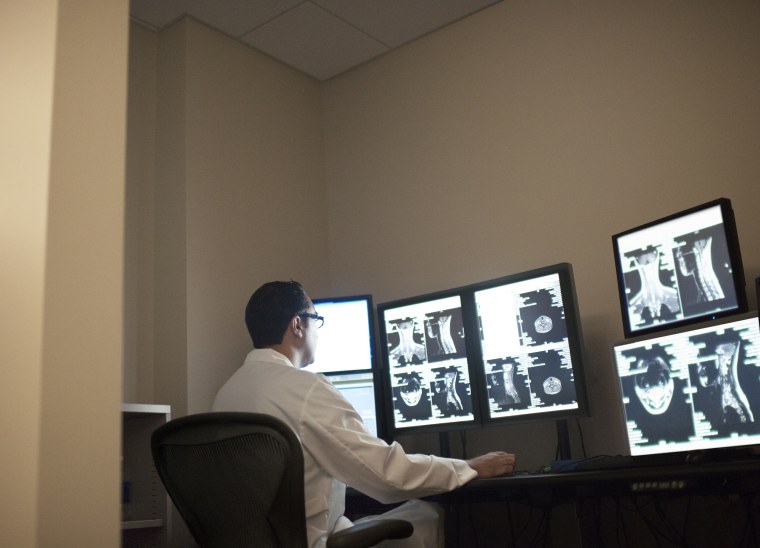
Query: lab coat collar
[(268, 355)]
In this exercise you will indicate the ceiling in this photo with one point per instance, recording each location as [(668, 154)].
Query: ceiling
[(321, 38)]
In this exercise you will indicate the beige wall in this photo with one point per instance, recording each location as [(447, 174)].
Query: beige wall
[(139, 267), (254, 181), (63, 108), (522, 136), (26, 112), (527, 135), (239, 200)]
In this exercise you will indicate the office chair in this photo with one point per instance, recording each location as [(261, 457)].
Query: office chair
[(237, 480)]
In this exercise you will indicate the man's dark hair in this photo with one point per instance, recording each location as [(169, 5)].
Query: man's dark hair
[(270, 309)]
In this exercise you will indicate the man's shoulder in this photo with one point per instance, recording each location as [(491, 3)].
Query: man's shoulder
[(268, 364), (261, 383)]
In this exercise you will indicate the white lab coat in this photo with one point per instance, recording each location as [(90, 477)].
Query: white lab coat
[(338, 449)]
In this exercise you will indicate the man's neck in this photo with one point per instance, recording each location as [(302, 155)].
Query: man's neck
[(289, 352)]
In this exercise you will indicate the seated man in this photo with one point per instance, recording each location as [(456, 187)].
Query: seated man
[(338, 449)]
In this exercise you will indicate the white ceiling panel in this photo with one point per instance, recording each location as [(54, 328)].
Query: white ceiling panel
[(322, 38), (157, 14), (237, 17), (314, 41), (396, 22)]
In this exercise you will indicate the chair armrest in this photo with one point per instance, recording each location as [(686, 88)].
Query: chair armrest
[(370, 533)]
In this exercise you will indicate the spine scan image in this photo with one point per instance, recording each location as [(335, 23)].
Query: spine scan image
[(502, 385), (428, 363), (655, 299), (691, 390), (696, 263), (408, 350), (439, 331), (721, 374)]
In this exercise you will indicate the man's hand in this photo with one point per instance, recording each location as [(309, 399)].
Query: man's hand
[(497, 463)]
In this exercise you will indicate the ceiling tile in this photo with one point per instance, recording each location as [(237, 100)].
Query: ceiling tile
[(232, 17), (395, 22), (157, 14), (238, 17), (314, 41), (322, 38)]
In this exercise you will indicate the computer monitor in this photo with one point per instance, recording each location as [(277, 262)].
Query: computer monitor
[(531, 347), (680, 270), (504, 350), (346, 340), (346, 353), (426, 370), (757, 293), (693, 390), (359, 389)]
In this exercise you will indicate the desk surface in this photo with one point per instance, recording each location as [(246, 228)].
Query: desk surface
[(587, 510), (712, 477), (643, 472)]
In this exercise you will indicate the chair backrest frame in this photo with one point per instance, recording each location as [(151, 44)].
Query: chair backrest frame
[(236, 478)]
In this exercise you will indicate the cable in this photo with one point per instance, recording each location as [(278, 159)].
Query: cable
[(473, 528), (580, 435), (749, 535), (642, 514), (511, 524), (672, 533)]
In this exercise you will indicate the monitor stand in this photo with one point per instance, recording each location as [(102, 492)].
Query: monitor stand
[(563, 440), (443, 440)]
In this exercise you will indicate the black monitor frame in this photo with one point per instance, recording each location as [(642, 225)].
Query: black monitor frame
[(365, 302), (673, 292), (354, 385), (321, 306), (478, 386), (757, 296), (555, 345), (683, 417), (420, 371)]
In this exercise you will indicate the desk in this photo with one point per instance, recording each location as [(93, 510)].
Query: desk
[(710, 504), (712, 478)]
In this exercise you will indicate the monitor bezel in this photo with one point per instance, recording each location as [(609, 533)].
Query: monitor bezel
[(475, 363), (576, 347), (757, 297), (388, 408), (374, 362), (373, 373), (737, 271), (680, 453), (367, 300)]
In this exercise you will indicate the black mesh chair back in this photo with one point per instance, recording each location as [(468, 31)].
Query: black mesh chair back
[(235, 478)]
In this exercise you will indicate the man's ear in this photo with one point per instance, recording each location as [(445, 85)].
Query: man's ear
[(296, 326)]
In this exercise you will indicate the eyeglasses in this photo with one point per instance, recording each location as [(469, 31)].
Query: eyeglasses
[(318, 320)]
